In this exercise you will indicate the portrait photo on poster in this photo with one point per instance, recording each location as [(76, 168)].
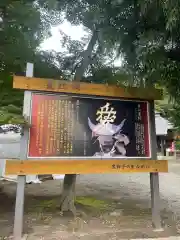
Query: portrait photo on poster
[(79, 126)]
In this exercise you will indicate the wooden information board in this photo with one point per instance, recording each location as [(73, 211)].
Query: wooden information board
[(86, 128)]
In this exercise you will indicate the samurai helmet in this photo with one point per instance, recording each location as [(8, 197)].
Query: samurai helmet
[(107, 129)]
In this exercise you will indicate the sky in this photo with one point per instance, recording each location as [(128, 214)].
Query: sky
[(75, 32), (53, 43)]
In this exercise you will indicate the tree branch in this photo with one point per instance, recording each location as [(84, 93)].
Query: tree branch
[(86, 57)]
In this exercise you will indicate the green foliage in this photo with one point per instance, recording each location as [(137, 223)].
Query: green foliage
[(11, 100), (177, 144), (145, 33), (23, 26)]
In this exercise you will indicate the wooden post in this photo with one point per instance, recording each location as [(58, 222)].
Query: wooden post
[(19, 208), (154, 177), (21, 180)]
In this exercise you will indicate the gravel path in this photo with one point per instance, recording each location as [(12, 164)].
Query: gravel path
[(136, 186), (133, 187), (131, 190)]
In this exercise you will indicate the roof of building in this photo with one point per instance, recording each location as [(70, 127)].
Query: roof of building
[(162, 125)]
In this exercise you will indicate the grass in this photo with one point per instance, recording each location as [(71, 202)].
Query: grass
[(92, 203), (85, 203)]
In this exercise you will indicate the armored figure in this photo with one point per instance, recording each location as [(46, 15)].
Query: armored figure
[(112, 142)]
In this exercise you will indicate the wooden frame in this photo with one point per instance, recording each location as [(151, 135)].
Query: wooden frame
[(38, 167), (41, 84)]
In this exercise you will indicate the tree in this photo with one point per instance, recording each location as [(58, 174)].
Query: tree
[(67, 198), (150, 46), (156, 49), (90, 66), (145, 33), (96, 17)]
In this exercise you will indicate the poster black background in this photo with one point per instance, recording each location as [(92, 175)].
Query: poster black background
[(87, 107)]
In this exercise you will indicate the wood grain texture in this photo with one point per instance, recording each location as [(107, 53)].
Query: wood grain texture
[(35, 167), (42, 84)]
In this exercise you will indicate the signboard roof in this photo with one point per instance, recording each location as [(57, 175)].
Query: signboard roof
[(40, 84)]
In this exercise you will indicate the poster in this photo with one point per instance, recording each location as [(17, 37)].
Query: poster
[(66, 126)]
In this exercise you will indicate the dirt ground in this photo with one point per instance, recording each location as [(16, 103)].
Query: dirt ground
[(102, 214)]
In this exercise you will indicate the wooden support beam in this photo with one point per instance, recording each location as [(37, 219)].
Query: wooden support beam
[(40, 84), (154, 176), (21, 179), (36, 167)]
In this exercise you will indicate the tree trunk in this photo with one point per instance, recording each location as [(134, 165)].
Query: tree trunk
[(68, 194)]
